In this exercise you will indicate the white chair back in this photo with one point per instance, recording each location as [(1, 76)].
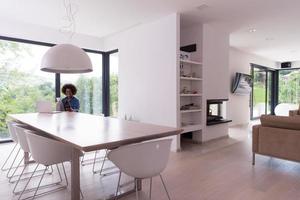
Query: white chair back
[(48, 151), (142, 160), (44, 106), (11, 130), (21, 134)]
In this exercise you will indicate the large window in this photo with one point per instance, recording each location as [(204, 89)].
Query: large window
[(289, 86), (21, 81), (89, 86), (113, 85), (262, 91)]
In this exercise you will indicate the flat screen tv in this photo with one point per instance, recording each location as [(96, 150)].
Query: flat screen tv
[(242, 84)]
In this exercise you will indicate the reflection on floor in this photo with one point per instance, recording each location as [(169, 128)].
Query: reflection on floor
[(217, 170)]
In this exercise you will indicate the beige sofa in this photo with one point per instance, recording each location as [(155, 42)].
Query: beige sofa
[(294, 112), (277, 136)]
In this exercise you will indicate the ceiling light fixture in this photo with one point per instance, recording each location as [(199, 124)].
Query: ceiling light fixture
[(67, 58), (252, 30)]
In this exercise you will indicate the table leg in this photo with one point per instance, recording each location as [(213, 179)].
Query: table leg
[(26, 158), (139, 184), (75, 175)]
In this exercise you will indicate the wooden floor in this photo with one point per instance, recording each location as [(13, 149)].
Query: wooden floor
[(218, 170)]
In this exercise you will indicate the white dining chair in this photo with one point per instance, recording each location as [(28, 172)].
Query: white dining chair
[(47, 152), (142, 161), (15, 150), (44, 106), (21, 133)]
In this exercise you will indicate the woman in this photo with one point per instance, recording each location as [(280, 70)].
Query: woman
[(70, 102)]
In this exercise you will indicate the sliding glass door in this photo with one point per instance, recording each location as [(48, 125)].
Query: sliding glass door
[(289, 86), (262, 98)]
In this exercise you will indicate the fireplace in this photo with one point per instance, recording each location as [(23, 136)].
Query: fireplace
[(215, 112)]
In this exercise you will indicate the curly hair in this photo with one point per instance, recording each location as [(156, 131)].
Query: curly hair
[(69, 86)]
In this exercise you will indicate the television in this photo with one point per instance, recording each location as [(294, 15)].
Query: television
[(242, 84)]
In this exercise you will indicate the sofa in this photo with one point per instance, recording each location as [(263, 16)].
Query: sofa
[(294, 112), (277, 136)]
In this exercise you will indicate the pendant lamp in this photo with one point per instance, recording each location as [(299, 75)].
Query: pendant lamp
[(66, 58)]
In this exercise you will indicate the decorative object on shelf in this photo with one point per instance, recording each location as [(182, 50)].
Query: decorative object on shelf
[(67, 58), (186, 91), (185, 55), (191, 106)]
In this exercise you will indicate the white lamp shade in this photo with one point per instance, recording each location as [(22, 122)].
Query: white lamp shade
[(66, 58)]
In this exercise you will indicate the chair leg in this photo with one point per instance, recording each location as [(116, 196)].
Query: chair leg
[(118, 186), (253, 158), (164, 186), (36, 190), (106, 152), (82, 159), (94, 163), (60, 178), (8, 157), (12, 164), (13, 174), (28, 182), (20, 176), (150, 191), (65, 174)]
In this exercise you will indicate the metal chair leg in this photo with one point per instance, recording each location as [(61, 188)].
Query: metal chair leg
[(36, 190), (20, 176), (94, 162), (8, 157), (253, 159), (103, 162), (28, 182), (118, 186), (13, 174), (164, 186), (150, 191), (65, 174), (12, 164)]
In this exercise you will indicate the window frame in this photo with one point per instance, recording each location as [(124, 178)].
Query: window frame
[(57, 76)]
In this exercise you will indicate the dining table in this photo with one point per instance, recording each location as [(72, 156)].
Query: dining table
[(87, 132)]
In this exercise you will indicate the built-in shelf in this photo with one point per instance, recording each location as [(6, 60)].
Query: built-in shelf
[(190, 78), (190, 128), (191, 62), (190, 111), (190, 95)]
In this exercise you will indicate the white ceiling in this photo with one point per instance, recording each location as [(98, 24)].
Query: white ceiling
[(276, 21)]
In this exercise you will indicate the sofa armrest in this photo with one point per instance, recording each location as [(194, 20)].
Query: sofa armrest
[(293, 113), (255, 134)]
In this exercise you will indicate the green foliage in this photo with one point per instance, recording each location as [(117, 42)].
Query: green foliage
[(113, 95), (289, 86)]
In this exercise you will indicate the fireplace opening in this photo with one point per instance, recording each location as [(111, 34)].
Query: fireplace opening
[(215, 112)]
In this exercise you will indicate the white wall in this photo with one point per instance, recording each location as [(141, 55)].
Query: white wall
[(215, 74), (148, 71), (238, 107), (16, 29)]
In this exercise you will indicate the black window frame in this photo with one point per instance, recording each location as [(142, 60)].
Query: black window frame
[(105, 72)]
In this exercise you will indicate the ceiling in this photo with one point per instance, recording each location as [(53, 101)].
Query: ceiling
[(276, 22)]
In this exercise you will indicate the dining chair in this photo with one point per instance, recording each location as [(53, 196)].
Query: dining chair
[(44, 106), (47, 152), (142, 161), (21, 133), (15, 150)]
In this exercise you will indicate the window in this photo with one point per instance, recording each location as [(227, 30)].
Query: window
[(89, 86), (289, 86), (21, 81), (113, 85)]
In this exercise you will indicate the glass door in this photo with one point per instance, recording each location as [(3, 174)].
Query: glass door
[(262, 98)]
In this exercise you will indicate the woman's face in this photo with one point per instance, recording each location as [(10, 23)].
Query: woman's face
[(69, 92)]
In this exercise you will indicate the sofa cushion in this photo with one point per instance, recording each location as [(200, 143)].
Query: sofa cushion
[(292, 123)]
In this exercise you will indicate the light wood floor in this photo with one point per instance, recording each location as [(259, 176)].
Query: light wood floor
[(218, 170)]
